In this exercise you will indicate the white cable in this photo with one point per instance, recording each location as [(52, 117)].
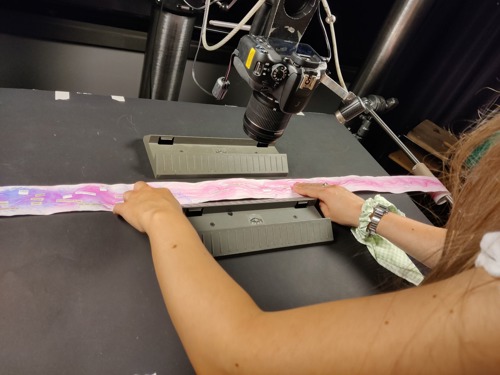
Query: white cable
[(227, 25), (232, 33), (197, 8), (228, 6), (325, 35), (193, 73), (330, 19)]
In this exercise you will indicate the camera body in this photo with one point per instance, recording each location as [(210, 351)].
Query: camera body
[(283, 76), (287, 71)]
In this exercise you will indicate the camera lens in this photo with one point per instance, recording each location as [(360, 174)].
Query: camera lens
[(264, 121)]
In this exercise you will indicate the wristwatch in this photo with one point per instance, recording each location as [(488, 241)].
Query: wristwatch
[(375, 217)]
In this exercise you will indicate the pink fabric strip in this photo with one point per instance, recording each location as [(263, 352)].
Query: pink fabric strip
[(46, 200)]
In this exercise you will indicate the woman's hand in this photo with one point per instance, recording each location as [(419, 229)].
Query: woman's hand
[(143, 203), (336, 202)]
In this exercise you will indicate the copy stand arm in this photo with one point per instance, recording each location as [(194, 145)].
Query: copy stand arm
[(354, 106)]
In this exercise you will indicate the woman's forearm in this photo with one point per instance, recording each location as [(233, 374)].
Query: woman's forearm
[(206, 305), (422, 241)]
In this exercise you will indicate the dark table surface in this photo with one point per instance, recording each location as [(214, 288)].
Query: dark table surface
[(78, 293)]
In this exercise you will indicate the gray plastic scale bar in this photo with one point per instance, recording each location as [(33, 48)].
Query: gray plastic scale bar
[(236, 227), (212, 157)]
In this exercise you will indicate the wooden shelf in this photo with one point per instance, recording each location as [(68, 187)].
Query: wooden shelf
[(429, 143), (432, 138)]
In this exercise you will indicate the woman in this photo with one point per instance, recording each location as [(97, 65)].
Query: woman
[(449, 325)]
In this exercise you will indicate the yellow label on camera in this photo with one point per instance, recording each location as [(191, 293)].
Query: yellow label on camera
[(250, 56)]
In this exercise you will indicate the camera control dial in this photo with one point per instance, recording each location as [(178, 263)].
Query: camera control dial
[(279, 72)]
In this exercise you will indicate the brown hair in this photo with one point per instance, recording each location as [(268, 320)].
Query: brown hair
[(475, 186)]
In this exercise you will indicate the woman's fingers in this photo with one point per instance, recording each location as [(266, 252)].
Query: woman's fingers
[(336, 202), (311, 190), (140, 185)]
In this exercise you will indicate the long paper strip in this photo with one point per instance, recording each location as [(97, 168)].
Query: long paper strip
[(46, 200)]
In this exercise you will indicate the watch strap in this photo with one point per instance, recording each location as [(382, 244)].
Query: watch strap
[(378, 212)]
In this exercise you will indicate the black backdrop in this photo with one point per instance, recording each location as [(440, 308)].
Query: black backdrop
[(445, 71)]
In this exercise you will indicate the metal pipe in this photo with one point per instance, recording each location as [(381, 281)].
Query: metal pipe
[(394, 137), (401, 22), (166, 55), (419, 169)]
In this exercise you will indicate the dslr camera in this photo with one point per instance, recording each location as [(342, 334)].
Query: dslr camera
[(283, 75)]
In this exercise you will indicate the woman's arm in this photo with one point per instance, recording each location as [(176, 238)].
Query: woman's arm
[(450, 327), (421, 241), (207, 308)]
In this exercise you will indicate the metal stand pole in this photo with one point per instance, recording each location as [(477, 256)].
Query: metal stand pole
[(401, 23), (166, 52)]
